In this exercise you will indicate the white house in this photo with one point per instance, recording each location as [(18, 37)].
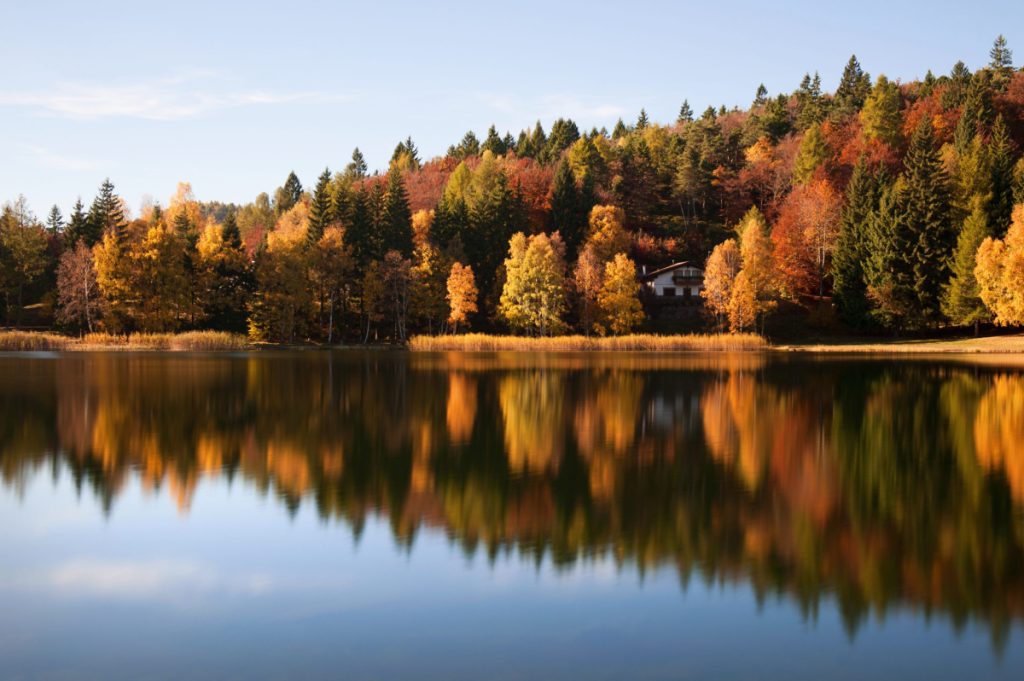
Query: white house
[(680, 280)]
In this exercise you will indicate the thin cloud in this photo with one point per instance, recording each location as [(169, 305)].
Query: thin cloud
[(174, 98), (49, 159)]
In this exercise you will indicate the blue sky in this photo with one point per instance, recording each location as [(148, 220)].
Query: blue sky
[(231, 96)]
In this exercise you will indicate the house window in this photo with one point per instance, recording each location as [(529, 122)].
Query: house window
[(668, 291)]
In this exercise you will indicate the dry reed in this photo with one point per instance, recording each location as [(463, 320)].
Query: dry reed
[(479, 342)]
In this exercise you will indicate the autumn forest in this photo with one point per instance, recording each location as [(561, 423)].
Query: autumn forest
[(882, 207)]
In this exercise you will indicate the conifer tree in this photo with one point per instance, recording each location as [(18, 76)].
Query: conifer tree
[(494, 143), (1001, 165), (642, 121), (55, 221), (961, 302), (321, 209), (105, 216), (760, 97), (357, 168), (849, 290), (1000, 56), (359, 233), (812, 154), (229, 231), (78, 226), (568, 214), (881, 112), (397, 218), (888, 266), (685, 115), (620, 130), (926, 201), (854, 86)]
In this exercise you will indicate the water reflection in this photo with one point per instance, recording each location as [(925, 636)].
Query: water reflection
[(870, 484)]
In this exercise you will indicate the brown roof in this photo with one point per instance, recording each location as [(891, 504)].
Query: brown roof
[(669, 268)]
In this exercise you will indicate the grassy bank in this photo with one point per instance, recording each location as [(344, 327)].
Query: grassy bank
[(984, 345), (29, 341), (477, 342)]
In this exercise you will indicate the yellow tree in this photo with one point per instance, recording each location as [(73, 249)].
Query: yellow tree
[(462, 295), (743, 304), (533, 298), (618, 299), (282, 300), (1000, 272), (758, 265), (430, 270), (332, 268), (719, 278), (160, 280), (114, 279), (607, 235)]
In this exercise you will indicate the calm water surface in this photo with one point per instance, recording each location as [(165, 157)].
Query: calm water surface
[(379, 515)]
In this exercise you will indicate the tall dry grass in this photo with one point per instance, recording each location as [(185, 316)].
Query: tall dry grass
[(31, 341), (197, 341), (480, 342)]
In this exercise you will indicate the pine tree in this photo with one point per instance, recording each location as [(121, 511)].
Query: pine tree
[(642, 121), (568, 214), (494, 143), (849, 290), (78, 226), (321, 209), (55, 221), (1001, 164), (105, 216), (926, 200), (961, 302), (760, 98), (853, 89), (1001, 57), (620, 130), (359, 232), (229, 232), (685, 115), (810, 103), (888, 265), (397, 218), (881, 112), (287, 195), (975, 114), (956, 86), (812, 154), (357, 168)]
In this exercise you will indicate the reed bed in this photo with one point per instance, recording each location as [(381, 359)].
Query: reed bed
[(480, 342), (31, 341), (194, 341)]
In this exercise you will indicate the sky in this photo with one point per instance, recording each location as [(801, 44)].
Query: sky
[(232, 96)]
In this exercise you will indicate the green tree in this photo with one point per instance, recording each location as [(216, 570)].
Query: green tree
[(357, 168), (685, 113), (812, 154), (854, 86), (105, 216), (23, 256), (568, 209), (961, 301), (849, 290), (881, 113), (288, 195), (55, 222), (396, 227), (321, 208), (78, 226)]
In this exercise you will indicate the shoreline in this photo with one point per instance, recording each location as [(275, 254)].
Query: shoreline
[(36, 341)]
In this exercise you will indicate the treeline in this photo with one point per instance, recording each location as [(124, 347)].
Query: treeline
[(883, 205)]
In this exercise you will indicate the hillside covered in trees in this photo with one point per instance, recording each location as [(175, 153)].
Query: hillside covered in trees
[(884, 206)]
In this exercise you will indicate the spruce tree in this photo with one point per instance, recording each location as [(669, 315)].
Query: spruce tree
[(55, 221), (357, 168), (961, 303), (925, 197), (229, 232), (1001, 165), (849, 290), (685, 114), (620, 130), (975, 114), (642, 121), (567, 209), (888, 263), (397, 218), (761, 97), (359, 230), (1001, 57), (105, 215), (321, 209), (854, 86), (493, 142), (78, 225)]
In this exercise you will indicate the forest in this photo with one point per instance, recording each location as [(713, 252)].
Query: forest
[(884, 207)]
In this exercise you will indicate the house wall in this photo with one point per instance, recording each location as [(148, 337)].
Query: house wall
[(667, 280)]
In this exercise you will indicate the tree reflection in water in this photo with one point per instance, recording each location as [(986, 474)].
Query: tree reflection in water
[(874, 483)]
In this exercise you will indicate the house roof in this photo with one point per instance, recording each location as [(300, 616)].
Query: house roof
[(669, 268)]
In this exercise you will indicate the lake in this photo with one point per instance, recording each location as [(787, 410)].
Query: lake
[(365, 515)]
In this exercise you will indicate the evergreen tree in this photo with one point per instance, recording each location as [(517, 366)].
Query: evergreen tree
[(397, 218), (888, 266), (849, 290), (956, 86), (229, 232), (620, 130), (494, 143), (288, 195), (854, 86), (359, 232), (881, 112), (925, 197), (975, 114), (1001, 165), (568, 212), (105, 216), (961, 302), (812, 154), (357, 168), (760, 98), (321, 210), (55, 221), (810, 102), (685, 115), (78, 226), (642, 121), (1000, 56)]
